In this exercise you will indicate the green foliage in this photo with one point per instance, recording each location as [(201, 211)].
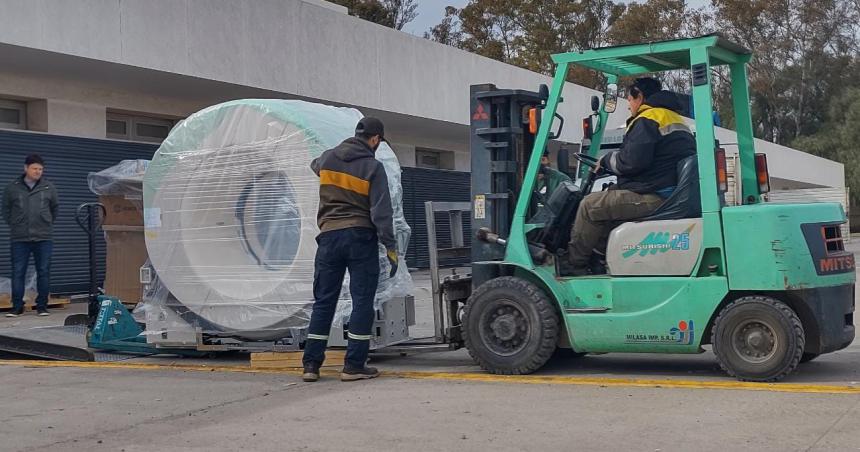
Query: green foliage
[(839, 137), (805, 51), (527, 33)]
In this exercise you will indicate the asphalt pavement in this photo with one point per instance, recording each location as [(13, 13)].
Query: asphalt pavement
[(433, 401)]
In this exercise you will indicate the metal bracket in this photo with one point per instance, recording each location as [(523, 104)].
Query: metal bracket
[(455, 217)]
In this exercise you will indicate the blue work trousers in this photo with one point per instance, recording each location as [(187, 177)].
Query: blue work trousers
[(356, 250), (41, 252)]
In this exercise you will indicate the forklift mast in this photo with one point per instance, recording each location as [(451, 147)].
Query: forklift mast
[(500, 145)]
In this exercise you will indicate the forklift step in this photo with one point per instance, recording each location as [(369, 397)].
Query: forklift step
[(585, 310)]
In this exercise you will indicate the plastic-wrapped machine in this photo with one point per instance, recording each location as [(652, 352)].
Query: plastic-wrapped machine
[(230, 217)]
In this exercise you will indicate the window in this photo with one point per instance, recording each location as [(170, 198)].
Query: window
[(434, 159), (137, 128), (116, 127), (428, 160), (13, 114)]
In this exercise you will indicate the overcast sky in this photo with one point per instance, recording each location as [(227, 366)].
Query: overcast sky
[(431, 12)]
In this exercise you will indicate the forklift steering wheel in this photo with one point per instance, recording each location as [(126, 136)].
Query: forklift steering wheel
[(591, 162), (586, 159)]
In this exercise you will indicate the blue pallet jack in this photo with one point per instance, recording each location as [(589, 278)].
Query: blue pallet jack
[(107, 332), (111, 326)]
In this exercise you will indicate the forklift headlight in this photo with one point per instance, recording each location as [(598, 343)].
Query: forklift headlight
[(534, 120)]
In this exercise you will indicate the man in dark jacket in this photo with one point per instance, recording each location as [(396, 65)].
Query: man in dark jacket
[(30, 208), (354, 215), (646, 165)]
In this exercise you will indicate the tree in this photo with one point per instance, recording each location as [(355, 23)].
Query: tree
[(390, 13), (527, 33), (448, 31), (653, 20), (800, 47), (805, 51), (837, 140), (660, 20), (402, 12)]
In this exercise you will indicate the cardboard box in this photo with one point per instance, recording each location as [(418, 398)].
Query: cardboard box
[(122, 211), (126, 253)]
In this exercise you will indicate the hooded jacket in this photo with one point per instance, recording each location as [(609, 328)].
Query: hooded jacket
[(354, 191), (30, 212), (656, 140)]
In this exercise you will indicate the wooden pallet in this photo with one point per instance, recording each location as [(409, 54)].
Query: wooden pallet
[(293, 360), (29, 305)]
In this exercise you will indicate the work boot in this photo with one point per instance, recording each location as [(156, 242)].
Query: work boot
[(597, 263), (15, 312), (311, 374), (565, 268), (353, 374), (43, 312)]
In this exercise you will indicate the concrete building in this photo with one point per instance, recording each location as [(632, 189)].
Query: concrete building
[(85, 68), (96, 81)]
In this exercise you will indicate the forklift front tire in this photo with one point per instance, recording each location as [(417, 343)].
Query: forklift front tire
[(758, 338), (807, 357), (510, 326)]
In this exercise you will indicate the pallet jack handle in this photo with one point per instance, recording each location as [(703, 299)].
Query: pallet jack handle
[(90, 217)]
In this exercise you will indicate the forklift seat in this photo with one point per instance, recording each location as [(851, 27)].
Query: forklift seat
[(685, 201), (557, 215)]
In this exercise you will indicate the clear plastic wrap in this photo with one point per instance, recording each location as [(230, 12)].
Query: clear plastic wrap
[(30, 288), (122, 179), (230, 206)]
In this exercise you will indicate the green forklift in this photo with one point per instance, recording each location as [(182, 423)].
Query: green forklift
[(766, 285)]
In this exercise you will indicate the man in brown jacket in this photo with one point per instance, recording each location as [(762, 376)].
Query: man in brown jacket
[(354, 215)]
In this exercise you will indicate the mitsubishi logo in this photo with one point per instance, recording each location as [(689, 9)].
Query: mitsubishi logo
[(480, 114)]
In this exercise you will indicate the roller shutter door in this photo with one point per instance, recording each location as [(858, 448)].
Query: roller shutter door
[(68, 160)]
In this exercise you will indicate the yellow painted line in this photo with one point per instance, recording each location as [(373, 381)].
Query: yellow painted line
[(632, 382), (472, 377)]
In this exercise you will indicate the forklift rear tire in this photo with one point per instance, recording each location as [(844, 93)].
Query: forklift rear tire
[(510, 326), (758, 338)]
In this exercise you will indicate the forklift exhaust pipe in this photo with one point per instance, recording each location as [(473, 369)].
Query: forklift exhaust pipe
[(539, 255)]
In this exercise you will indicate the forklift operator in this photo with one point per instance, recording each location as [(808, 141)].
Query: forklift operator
[(656, 140)]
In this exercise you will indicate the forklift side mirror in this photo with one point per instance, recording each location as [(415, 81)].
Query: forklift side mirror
[(543, 91), (610, 98), (595, 103)]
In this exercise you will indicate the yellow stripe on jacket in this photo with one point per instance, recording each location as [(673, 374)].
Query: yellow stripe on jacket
[(345, 181), (667, 120)]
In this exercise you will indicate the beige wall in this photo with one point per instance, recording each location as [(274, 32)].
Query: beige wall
[(292, 48)]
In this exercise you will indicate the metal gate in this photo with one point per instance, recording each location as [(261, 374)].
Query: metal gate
[(68, 160), (421, 185)]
